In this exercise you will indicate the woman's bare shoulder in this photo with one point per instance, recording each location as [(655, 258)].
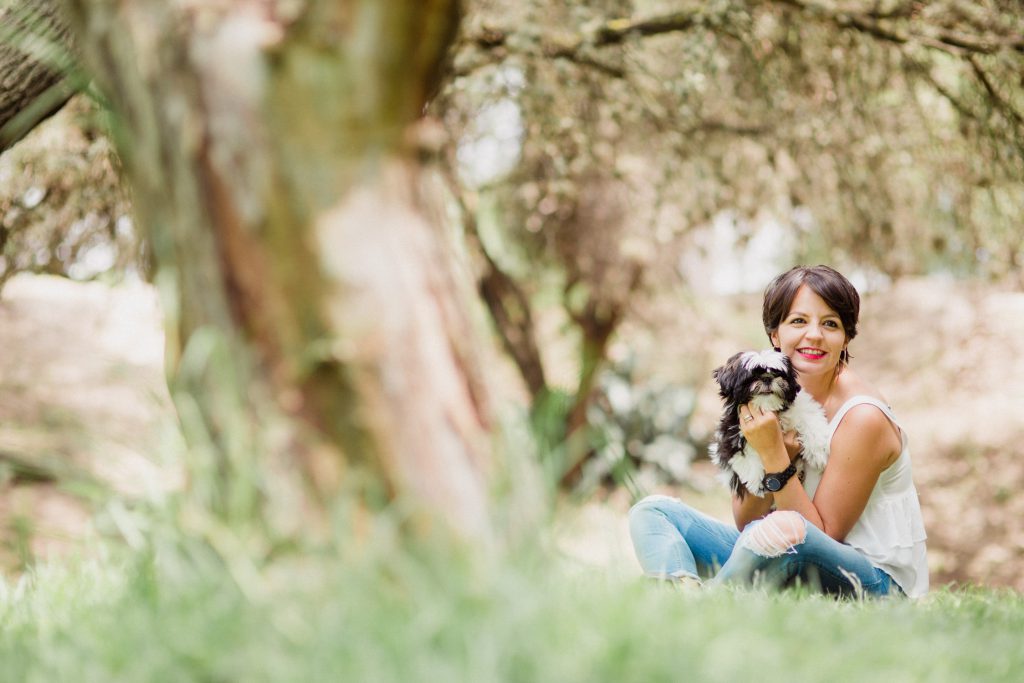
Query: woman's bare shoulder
[(850, 384), (868, 422)]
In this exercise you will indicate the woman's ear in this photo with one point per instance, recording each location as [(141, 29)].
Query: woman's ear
[(774, 339)]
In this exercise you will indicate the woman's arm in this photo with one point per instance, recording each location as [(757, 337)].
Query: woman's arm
[(751, 507), (864, 444), (745, 510)]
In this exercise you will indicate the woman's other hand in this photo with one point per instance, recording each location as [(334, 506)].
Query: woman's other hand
[(792, 444)]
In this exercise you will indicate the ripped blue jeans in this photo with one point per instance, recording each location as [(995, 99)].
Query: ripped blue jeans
[(672, 539)]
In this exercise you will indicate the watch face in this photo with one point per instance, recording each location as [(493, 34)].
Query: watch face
[(773, 484)]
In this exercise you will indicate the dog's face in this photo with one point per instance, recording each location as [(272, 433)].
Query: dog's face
[(764, 377)]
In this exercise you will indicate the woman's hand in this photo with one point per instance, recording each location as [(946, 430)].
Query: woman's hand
[(762, 431)]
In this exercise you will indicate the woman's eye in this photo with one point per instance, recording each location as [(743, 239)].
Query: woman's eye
[(832, 323), (796, 321)]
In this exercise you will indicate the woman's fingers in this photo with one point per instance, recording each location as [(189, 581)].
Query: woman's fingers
[(752, 417), (749, 412), (761, 429)]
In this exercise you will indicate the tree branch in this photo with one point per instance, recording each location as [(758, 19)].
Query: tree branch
[(616, 31), (895, 25), (577, 47), (507, 303), (1001, 103), (962, 108), (715, 126), (598, 321), (869, 22), (35, 51)]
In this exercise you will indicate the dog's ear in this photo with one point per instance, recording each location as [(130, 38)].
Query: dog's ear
[(788, 364), (721, 375), (726, 376), (792, 383)]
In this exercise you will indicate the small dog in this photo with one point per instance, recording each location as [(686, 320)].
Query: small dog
[(767, 380)]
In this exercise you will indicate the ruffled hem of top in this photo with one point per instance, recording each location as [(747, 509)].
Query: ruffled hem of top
[(908, 567), (894, 522)]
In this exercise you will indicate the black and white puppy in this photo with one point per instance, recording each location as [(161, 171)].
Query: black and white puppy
[(768, 381)]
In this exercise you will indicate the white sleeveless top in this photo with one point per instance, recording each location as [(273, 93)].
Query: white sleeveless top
[(890, 531)]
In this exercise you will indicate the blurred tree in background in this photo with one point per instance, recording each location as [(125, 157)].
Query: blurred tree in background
[(316, 331)]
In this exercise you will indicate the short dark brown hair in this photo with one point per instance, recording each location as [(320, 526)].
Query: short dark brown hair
[(828, 283)]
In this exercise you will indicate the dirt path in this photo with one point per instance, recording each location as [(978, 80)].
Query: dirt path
[(81, 395)]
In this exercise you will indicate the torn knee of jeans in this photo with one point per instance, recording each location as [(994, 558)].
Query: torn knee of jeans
[(777, 534)]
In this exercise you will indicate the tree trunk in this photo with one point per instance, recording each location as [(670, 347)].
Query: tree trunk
[(35, 45), (315, 322)]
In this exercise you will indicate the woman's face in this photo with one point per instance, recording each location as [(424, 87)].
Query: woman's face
[(811, 334)]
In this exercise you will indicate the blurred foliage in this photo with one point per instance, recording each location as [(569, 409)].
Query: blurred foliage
[(640, 431), (881, 134), (637, 432), (595, 149), (63, 208)]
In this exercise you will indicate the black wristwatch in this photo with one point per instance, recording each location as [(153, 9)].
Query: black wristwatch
[(776, 480)]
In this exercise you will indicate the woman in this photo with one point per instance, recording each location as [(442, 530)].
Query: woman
[(854, 529)]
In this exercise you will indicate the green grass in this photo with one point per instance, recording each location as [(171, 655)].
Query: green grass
[(370, 611)]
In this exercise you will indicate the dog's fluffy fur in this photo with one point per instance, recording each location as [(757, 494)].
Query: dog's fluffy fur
[(766, 379)]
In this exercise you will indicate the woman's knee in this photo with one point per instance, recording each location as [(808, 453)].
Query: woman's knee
[(645, 507), (777, 534), (654, 501), (655, 510)]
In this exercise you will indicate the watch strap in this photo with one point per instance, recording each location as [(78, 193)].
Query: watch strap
[(783, 477)]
